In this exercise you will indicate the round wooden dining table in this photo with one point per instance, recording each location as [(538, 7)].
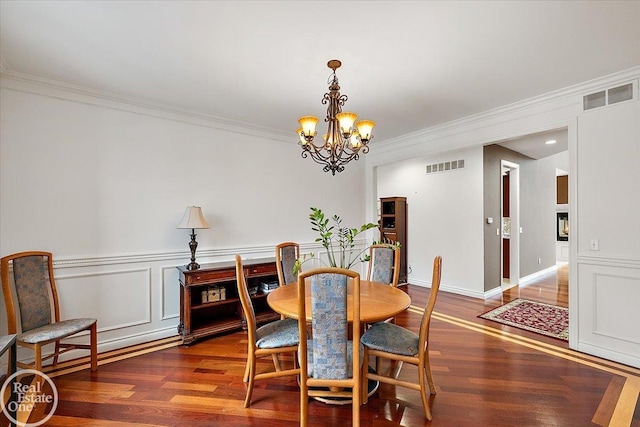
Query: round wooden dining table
[(377, 301)]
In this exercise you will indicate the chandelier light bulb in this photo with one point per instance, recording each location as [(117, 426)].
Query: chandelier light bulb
[(301, 136), (308, 124), (328, 140), (355, 140), (346, 120), (365, 127)]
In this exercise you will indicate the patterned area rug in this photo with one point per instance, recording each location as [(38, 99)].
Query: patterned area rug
[(545, 319)]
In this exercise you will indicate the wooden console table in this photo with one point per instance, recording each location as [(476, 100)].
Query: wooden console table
[(200, 318)]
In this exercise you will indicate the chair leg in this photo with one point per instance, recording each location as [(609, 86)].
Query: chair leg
[(365, 376), (38, 357), (427, 368), (423, 392), (304, 403), (94, 347), (251, 364), (356, 399), (276, 362), (247, 369)]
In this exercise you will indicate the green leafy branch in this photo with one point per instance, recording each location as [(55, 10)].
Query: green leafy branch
[(338, 241)]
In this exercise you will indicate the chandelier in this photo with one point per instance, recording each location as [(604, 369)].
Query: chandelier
[(345, 139)]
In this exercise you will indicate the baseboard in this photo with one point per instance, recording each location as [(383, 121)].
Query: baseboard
[(533, 276), (608, 354)]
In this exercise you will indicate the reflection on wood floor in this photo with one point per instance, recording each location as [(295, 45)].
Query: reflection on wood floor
[(486, 374), (551, 288)]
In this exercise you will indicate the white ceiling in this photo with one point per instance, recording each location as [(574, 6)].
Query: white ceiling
[(535, 146), (408, 65)]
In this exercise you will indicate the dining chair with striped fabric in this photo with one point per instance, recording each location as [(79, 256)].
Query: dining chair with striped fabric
[(29, 276), (393, 342), (286, 255), (384, 266), (330, 363), (272, 339), (384, 263)]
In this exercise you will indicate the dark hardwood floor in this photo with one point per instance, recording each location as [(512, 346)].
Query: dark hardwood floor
[(486, 374)]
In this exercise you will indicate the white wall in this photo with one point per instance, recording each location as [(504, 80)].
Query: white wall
[(444, 210), (612, 276), (608, 206), (102, 184)]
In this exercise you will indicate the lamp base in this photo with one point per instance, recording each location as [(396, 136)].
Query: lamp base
[(192, 266), (193, 245)]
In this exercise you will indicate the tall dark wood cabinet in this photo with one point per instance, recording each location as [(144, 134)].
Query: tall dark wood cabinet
[(393, 227)]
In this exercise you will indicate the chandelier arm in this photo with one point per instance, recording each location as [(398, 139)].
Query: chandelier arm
[(315, 153)]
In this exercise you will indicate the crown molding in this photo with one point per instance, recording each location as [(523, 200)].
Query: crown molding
[(36, 85), (566, 97)]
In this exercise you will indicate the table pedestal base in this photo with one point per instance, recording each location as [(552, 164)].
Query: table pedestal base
[(372, 387)]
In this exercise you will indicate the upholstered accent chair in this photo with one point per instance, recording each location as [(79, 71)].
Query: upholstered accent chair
[(272, 339), (286, 255), (29, 276), (384, 266), (393, 342), (330, 363)]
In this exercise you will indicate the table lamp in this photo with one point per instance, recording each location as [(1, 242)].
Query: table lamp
[(193, 219)]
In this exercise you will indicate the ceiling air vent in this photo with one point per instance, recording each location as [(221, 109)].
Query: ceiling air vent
[(608, 97), (445, 166)]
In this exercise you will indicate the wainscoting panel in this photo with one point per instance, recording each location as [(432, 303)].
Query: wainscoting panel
[(611, 329), (608, 290), (118, 299), (170, 293)]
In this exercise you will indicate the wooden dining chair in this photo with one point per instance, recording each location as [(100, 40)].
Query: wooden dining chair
[(384, 266), (393, 342), (30, 275), (330, 363), (286, 255), (384, 263), (272, 339)]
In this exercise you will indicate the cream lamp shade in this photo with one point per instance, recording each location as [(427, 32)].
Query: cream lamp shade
[(193, 218)]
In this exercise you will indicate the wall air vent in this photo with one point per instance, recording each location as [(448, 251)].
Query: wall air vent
[(607, 97), (445, 166)]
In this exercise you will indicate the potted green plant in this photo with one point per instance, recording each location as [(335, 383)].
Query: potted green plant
[(338, 241)]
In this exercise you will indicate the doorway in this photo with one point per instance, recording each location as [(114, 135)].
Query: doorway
[(510, 224)]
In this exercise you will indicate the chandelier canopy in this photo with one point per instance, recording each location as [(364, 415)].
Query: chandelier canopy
[(345, 139)]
